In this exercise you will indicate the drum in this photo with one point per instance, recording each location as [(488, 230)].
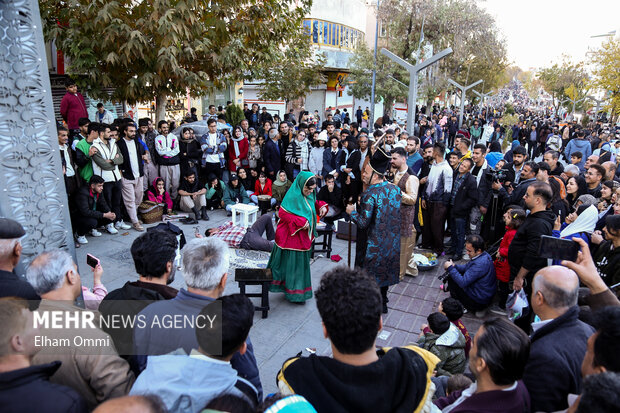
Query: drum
[(264, 203)]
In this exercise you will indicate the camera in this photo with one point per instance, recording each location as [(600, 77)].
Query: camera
[(444, 280), (500, 176)]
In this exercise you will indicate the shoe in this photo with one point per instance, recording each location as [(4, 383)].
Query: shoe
[(228, 213), (495, 309), (205, 216), (95, 233), (81, 239), (121, 225), (385, 308), (111, 229), (138, 227)]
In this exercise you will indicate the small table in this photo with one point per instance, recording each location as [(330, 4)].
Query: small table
[(247, 215), (255, 276), (325, 243)]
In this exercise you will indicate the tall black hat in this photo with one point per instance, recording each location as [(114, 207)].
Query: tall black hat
[(380, 161)]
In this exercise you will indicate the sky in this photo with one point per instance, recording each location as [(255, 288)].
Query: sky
[(538, 32)]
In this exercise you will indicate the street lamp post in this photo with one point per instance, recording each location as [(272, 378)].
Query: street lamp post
[(464, 90), (371, 119), (413, 80), (598, 105)]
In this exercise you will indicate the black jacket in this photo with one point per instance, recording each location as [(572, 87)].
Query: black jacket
[(128, 301), (126, 166), (193, 155), (484, 188), (87, 206), (523, 250), (29, 390), (516, 197), (271, 157), (466, 196), (12, 285), (332, 198), (553, 369)]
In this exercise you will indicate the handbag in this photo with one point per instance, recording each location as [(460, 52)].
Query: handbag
[(517, 305)]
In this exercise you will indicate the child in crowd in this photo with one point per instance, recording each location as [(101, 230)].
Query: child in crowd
[(453, 309), (457, 382), (98, 293), (575, 159), (446, 341), (157, 193), (513, 217)]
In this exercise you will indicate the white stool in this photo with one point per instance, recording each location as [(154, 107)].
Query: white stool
[(247, 214)]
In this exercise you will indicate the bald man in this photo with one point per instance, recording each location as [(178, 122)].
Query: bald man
[(559, 340), (132, 404), (610, 170)]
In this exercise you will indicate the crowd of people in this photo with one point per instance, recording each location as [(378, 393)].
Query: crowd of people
[(468, 182)]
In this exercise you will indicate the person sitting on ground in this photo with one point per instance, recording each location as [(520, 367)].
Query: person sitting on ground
[(331, 194), (205, 270), (208, 362), (153, 256), (445, 340), (92, 210), (559, 341), (262, 186), (24, 386), (215, 192), (457, 382), (193, 196), (234, 193), (97, 374), (247, 180), (473, 283), (358, 378), (11, 284), (246, 238), (280, 187), (498, 355), (157, 193), (453, 309)]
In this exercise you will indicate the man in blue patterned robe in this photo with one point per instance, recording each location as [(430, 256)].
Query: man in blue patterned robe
[(379, 214)]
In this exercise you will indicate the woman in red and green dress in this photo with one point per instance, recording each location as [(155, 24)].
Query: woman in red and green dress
[(290, 257)]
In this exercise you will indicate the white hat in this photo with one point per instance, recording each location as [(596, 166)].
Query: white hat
[(323, 136)]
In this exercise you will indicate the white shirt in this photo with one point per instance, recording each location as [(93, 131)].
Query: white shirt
[(133, 158), (69, 169), (212, 142)]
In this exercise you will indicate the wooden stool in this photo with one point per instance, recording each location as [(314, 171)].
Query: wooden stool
[(255, 276), (326, 243), (247, 215)]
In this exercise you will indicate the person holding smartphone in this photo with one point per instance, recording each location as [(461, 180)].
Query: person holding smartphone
[(93, 297)]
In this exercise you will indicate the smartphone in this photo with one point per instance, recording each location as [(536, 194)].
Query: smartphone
[(558, 248), (92, 261)]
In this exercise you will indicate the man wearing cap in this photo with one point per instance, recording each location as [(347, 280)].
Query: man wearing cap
[(380, 215), (11, 285)]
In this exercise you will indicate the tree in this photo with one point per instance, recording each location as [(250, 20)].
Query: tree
[(234, 114), (161, 48), (291, 81), (607, 74), (479, 52), (560, 79)]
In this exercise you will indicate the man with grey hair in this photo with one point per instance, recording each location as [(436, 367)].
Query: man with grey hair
[(559, 341), (205, 269), (12, 285), (610, 170), (95, 371), (570, 171)]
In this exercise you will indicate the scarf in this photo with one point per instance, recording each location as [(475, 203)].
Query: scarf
[(236, 143), (298, 204), (586, 222), (277, 181)]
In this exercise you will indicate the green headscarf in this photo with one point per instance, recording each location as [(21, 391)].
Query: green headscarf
[(296, 203)]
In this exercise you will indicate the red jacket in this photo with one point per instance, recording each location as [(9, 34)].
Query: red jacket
[(243, 154), (72, 108), (264, 191), (502, 267), (289, 233)]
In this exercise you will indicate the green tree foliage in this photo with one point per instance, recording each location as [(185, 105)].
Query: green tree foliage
[(564, 80), (234, 114), (478, 50), (607, 74), (160, 48)]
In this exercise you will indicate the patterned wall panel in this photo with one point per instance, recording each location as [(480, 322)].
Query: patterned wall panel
[(32, 190)]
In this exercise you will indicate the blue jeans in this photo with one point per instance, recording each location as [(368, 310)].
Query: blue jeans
[(457, 242)]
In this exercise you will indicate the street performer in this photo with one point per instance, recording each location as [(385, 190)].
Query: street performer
[(408, 185), (380, 215)]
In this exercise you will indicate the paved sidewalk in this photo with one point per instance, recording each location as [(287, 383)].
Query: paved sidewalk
[(290, 328)]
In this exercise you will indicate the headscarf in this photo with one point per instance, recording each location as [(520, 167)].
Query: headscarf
[(291, 404), (585, 222), (296, 203), (277, 182), (515, 143)]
